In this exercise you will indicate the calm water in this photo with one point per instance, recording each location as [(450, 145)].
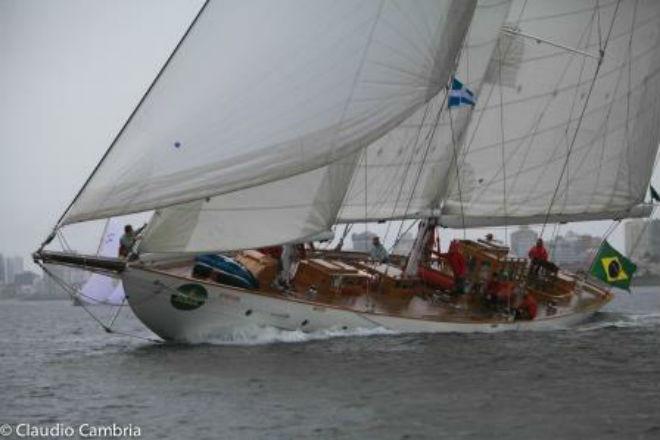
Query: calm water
[(599, 382)]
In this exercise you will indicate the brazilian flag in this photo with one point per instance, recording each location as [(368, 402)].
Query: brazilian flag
[(612, 267)]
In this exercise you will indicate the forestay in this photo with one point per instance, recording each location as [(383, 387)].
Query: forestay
[(263, 91), (554, 137)]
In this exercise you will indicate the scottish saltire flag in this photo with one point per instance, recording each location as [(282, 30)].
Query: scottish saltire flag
[(460, 95)]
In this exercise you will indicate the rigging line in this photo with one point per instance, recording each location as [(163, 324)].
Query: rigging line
[(105, 230), (347, 229), (533, 130), (430, 137), (503, 152), (59, 239), (68, 289), (627, 132), (130, 117), (114, 318), (584, 148), (555, 234), (366, 191), (81, 294), (647, 222), (600, 32), (605, 128), (409, 164), (396, 242), (564, 14), (65, 241), (610, 229), (458, 177), (549, 42), (587, 34), (365, 51), (490, 92), (615, 224), (579, 122)]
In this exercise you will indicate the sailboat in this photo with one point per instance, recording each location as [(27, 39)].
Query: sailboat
[(272, 123)]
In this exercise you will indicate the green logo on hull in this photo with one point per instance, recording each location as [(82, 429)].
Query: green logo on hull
[(189, 297)]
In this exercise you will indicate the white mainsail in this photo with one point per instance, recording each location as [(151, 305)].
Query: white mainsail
[(263, 91), (554, 137), (405, 173)]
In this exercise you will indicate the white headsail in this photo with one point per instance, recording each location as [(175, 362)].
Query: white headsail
[(262, 91), (277, 147), (554, 136)]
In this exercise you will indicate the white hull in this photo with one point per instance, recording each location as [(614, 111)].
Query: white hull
[(227, 309)]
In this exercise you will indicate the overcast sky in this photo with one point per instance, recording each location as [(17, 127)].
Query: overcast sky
[(71, 72)]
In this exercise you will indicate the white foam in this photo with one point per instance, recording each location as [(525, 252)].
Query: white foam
[(256, 335), (618, 320)]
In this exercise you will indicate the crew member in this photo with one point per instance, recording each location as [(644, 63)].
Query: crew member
[(538, 256), (456, 262), (499, 291), (378, 251), (128, 240), (528, 308)]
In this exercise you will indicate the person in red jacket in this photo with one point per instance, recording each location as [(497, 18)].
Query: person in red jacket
[(528, 308), (458, 266), (538, 255)]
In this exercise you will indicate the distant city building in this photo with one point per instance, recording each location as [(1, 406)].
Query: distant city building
[(405, 244), (643, 247), (26, 278), (573, 251), (643, 239), (50, 288), (14, 266), (362, 240), (3, 279), (522, 240)]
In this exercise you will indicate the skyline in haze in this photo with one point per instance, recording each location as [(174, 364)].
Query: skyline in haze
[(72, 73)]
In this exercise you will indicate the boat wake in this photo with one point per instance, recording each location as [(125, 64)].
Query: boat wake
[(258, 335), (603, 320)]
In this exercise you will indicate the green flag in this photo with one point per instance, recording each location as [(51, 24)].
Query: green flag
[(612, 267)]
